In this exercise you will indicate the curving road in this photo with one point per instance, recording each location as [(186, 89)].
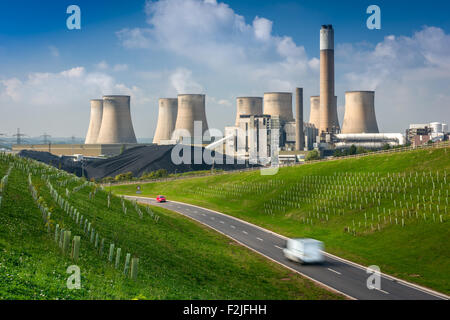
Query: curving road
[(342, 276)]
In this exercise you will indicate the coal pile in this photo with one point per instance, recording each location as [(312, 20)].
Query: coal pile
[(145, 159), (64, 163)]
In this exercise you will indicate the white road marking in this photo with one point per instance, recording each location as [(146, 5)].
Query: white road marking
[(259, 239), (222, 222), (278, 247), (385, 292), (212, 218), (334, 271), (203, 214), (233, 226), (195, 211), (245, 232)]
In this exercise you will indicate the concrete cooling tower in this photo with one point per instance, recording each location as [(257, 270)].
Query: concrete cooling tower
[(167, 117), (328, 108), (279, 104), (314, 114), (95, 122), (191, 107), (117, 126), (360, 112), (248, 105), (314, 111)]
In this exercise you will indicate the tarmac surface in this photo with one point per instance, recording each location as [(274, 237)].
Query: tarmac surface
[(336, 274)]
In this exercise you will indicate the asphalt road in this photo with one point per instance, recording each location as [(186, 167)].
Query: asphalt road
[(335, 273)]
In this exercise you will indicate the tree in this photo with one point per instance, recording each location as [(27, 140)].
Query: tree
[(360, 150), (352, 150), (386, 146), (312, 155), (338, 153)]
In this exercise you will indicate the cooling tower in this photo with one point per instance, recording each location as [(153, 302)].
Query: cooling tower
[(191, 107), (279, 104), (328, 109), (299, 136), (117, 126), (248, 105), (360, 112), (167, 117), (314, 113), (95, 122)]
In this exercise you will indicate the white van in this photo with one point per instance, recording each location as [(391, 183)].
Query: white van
[(304, 250)]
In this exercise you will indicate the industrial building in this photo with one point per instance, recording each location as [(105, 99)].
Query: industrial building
[(419, 134), (328, 120), (116, 126), (95, 121), (167, 117), (248, 106), (191, 110), (360, 112), (264, 126)]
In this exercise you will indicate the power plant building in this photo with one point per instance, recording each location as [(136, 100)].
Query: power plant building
[(328, 121), (314, 111), (167, 117), (116, 126), (279, 104), (95, 121), (248, 106), (360, 112), (191, 109)]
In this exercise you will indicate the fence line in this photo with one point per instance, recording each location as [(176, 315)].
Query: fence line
[(437, 145)]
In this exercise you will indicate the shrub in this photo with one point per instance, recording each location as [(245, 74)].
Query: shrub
[(312, 155)]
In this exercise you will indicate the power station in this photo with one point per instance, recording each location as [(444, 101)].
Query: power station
[(167, 117), (328, 122), (191, 109), (116, 126), (314, 111), (360, 112), (279, 104), (95, 122), (263, 126), (248, 106)]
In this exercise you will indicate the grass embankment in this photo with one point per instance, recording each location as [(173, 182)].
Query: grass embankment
[(387, 210), (179, 259)]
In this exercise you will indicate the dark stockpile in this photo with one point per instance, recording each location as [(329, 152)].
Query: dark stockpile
[(145, 159), (63, 163)]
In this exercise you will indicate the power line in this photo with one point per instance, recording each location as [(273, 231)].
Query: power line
[(45, 136), (19, 136)]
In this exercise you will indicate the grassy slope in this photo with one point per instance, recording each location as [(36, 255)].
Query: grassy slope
[(417, 252), (179, 259)]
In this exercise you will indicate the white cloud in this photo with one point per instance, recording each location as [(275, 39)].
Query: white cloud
[(262, 28), (411, 76), (43, 97), (182, 81), (134, 38)]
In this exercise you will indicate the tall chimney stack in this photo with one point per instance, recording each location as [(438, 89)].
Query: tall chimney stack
[(299, 136), (328, 118)]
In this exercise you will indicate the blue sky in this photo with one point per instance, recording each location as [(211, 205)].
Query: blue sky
[(223, 49)]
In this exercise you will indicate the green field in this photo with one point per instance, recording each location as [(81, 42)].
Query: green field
[(388, 210), (178, 258)]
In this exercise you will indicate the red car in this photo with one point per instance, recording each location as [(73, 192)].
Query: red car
[(161, 199)]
